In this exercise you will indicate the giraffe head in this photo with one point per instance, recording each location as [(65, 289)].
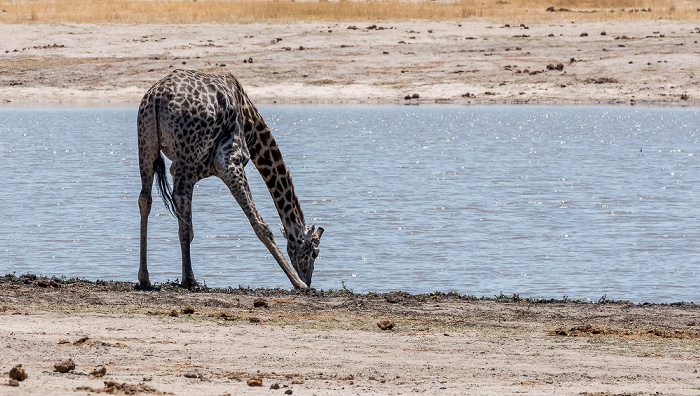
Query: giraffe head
[(303, 252)]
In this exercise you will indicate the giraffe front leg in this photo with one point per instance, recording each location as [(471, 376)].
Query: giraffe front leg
[(234, 177)]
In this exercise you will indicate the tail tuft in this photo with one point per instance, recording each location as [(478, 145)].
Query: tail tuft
[(163, 186)]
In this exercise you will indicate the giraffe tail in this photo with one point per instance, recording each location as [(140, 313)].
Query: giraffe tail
[(163, 186)]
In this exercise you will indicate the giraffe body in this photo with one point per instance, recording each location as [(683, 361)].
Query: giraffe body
[(207, 126)]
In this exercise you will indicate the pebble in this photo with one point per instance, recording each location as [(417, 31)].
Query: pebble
[(385, 324), (65, 366), (17, 373)]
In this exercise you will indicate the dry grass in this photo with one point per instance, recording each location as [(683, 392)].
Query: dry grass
[(202, 11)]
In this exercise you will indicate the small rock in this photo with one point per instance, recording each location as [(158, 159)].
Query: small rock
[(225, 316), (187, 310), (65, 366), (415, 96), (288, 392), (17, 373), (254, 319), (385, 324), (13, 382), (255, 382), (275, 386), (407, 97), (99, 372), (174, 313), (260, 303), (190, 375), (584, 34), (116, 388)]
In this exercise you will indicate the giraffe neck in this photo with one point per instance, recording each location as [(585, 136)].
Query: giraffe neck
[(267, 158)]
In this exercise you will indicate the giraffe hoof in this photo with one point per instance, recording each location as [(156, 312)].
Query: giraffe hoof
[(189, 284), (143, 286)]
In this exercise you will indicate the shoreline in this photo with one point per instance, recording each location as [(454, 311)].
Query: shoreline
[(38, 104), (53, 282), (174, 341), (468, 62)]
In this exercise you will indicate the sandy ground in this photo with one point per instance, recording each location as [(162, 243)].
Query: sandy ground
[(328, 343), (460, 62)]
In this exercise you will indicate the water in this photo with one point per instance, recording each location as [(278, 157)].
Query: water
[(541, 201)]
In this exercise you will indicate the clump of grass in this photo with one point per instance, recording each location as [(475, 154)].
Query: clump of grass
[(226, 11)]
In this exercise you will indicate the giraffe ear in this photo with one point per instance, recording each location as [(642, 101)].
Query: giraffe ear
[(284, 232), (310, 231), (316, 237)]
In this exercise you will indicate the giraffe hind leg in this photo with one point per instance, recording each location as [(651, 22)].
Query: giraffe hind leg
[(149, 153), (145, 201), (182, 199)]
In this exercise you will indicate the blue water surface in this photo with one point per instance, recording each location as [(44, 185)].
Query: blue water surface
[(544, 202)]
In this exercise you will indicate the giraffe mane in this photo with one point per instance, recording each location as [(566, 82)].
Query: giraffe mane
[(300, 213)]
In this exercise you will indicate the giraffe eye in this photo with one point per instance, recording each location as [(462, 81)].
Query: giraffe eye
[(314, 254)]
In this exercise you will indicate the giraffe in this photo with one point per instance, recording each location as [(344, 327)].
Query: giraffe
[(207, 126)]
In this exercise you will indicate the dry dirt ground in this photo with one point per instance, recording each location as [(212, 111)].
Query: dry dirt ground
[(217, 342), (473, 61)]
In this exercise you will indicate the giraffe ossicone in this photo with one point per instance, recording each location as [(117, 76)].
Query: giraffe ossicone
[(207, 126)]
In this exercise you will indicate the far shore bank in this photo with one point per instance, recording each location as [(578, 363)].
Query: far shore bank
[(650, 63)]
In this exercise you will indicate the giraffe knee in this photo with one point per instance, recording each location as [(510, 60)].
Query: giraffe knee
[(145, 201), (264, 232)]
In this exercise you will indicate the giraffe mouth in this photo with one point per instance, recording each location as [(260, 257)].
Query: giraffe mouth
[(306, 279)]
